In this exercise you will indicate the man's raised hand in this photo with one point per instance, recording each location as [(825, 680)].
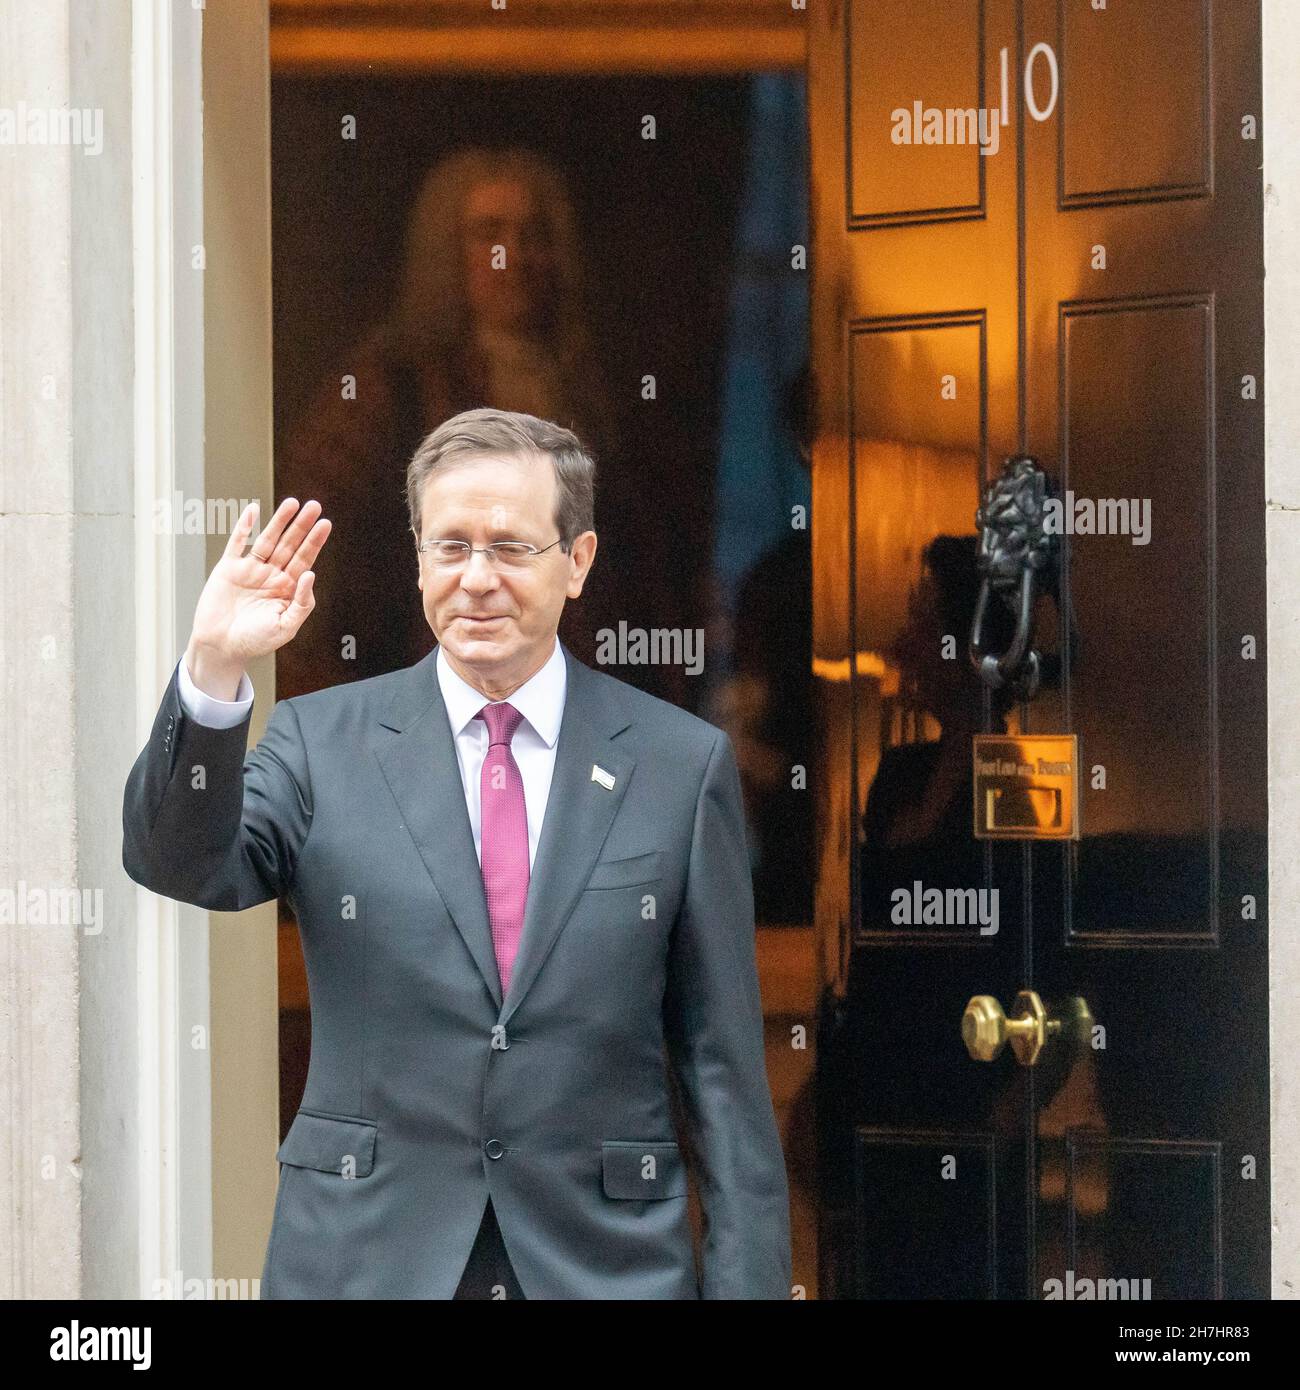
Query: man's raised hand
[(253, 604)]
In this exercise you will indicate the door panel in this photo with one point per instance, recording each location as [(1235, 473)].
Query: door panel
[(1135, 99), (891, 47), (1134, 428), (944, 1236)]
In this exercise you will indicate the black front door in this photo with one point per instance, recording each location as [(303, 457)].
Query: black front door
[(1037, 231)]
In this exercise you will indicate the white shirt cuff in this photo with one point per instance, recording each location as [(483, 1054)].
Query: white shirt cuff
[(204, 709)]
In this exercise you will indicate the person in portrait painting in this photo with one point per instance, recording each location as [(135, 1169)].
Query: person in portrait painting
[(491, 309)]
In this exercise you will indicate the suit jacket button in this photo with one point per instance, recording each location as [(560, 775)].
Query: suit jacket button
[(494, 1148)]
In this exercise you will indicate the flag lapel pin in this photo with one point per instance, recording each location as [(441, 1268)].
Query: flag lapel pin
[(606, 779)]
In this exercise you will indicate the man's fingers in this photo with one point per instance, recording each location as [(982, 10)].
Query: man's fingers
[(265, 543), (309, 549), (235, 545), (300, 606), (303, 597), (289, 542)]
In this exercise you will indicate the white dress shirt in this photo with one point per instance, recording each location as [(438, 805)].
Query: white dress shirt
[(540, 700)]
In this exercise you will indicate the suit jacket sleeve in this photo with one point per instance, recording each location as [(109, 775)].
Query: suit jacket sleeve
[(206, 823), (713, 1025)]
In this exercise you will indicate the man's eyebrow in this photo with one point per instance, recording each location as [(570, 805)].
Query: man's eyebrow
[(458, 533)]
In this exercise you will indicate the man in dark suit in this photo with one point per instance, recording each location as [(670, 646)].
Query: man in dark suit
[(524, 897)]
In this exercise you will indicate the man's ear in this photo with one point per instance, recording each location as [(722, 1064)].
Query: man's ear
[(583, 543)]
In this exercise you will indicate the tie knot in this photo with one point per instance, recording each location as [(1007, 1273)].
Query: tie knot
[(502, 721)]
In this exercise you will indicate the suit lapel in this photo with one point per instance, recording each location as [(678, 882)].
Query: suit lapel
[(579, 813), (423, 774)]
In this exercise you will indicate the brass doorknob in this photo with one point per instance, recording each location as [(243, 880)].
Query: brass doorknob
[(985, 1029)]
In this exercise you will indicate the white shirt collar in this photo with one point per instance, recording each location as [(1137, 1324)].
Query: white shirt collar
[(540, 699)]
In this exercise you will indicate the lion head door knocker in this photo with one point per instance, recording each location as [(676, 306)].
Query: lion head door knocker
[(1015, 562), (1026, 785)]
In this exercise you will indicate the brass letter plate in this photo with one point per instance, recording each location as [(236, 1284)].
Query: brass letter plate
[(1026, 787)]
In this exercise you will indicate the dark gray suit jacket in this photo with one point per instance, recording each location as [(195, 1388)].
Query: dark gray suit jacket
[(426, 1092)]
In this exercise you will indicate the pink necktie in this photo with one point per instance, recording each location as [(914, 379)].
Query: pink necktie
[(505, 837)]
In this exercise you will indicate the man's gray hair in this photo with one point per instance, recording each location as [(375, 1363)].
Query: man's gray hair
[(510, 433)]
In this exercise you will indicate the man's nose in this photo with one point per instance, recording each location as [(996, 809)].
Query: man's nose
[(479, 573)]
